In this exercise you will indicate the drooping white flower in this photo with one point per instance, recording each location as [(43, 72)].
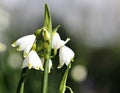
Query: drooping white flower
[(57, 42), (33, 61), (25, 43), (50, 63), (66, 55)]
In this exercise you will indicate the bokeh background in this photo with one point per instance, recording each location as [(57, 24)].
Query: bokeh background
[(94, 29)]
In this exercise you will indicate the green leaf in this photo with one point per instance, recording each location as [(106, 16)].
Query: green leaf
[(63, 86), (47, 18)]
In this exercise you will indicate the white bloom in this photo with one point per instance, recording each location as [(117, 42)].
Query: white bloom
[(57, 42), (33, 61), (25, 43), (2, 47), (50, 63), (65, 56)]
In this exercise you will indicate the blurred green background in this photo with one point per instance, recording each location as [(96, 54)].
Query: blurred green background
[(92, 25)]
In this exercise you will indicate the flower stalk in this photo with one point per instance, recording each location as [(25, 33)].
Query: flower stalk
[(48, 25), (45, 77), (20, 87)]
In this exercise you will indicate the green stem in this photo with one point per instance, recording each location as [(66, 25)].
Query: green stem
[(48, 25), (46, 66), (45, 79), (20, 87)]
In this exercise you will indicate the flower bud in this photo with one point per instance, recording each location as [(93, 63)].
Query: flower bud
[(46, 34)]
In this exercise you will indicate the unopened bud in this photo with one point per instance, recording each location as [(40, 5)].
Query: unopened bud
[(46, 35), (38, 32)]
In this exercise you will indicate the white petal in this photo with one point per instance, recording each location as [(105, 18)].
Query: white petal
[(65, 56), (57, 42), (42, 60), (25, 43), (33, 61), (62, 43), (50, 65), (25, 62)]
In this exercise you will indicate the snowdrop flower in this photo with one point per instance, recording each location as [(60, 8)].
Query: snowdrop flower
[(25, 43), (50, 63), (57, 42), (65, 56), (2, 47), (33, 61)]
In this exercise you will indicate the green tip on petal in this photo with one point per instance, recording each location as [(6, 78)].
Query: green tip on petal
[(72, 60), (59, 66), (37, 68), (69, 65), (18, 49), (42, 68), (29, 66), (25, 54), (14, 44)]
